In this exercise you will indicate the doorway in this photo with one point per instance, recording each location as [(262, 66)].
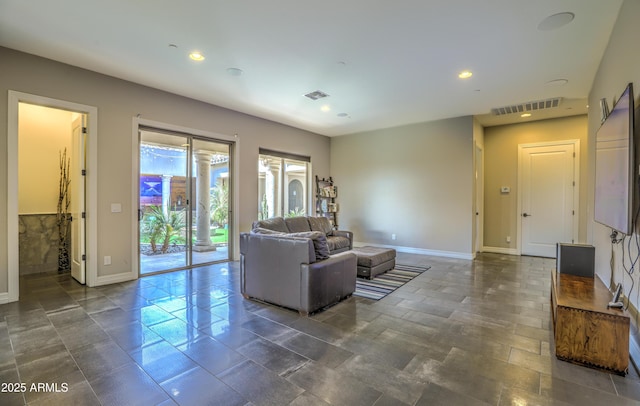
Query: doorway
[(13, 172), (183, 200), (51, 199), (547, 196)]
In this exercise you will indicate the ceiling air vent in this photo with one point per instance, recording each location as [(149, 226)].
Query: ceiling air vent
[(316, 95), (528, 106)]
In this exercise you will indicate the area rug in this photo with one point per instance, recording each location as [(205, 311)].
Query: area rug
[(383, 284)]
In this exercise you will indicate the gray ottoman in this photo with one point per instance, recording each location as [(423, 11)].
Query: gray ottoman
[(373, 261)]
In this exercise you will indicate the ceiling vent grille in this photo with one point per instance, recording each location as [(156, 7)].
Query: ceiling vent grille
[(316, 95), (527, 107)]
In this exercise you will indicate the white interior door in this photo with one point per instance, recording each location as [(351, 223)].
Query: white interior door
[(548, 195), (78, 166)]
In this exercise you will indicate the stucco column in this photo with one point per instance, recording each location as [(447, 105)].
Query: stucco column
[(203, 202), (166, 194), (272, 188)]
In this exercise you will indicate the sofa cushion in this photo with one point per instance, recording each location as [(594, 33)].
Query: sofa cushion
[(274, 223), (319, 243), (261, 230), (297, 224), (337, 243), (321, 224)]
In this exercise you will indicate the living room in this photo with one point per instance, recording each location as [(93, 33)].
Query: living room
[(391, 180), (424, 148)]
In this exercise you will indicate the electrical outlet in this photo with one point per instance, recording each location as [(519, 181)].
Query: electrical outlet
[(393, 236), (508, 238), (107, 259)]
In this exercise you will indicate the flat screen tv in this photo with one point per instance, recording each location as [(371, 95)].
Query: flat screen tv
[(615, 168)]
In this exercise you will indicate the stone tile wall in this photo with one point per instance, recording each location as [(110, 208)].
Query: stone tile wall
[(38, 243)]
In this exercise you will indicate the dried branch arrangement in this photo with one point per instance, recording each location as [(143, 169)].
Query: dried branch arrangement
[(63, 218)]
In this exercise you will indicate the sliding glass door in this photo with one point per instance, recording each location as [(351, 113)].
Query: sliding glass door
[(183, 201)]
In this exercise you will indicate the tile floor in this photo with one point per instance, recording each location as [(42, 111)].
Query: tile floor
[(463, 333)]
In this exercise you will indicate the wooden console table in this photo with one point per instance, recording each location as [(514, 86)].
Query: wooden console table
[(586, 331)]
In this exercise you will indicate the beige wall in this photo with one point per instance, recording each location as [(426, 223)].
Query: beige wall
[(415, 181), (501, 169), (619, 66), (118, 102), (44, 133)]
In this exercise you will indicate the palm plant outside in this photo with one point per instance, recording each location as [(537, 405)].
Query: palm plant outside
[(220, 205), (158, 227)]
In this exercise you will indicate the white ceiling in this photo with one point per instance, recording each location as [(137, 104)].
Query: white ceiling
[(383, 63)]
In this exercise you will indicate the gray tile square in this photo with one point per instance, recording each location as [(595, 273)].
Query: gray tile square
[(265, 388)]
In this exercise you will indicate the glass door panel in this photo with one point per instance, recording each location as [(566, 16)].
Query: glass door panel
[(282, 187), (295, 188), (269, 172), (163, 202), (210, 195)]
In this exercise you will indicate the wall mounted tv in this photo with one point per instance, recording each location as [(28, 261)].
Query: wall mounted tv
[(615, 168)]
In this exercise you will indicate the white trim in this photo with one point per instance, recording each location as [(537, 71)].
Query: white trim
[(14, 99), (234, 238), (116, 278), (13, 269), (478, 204), (500, 250), (4, 298), (576, 189), (420, 251)]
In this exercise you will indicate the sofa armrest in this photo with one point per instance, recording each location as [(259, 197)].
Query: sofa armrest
[(327, 281), (344, 233), (270, 267)]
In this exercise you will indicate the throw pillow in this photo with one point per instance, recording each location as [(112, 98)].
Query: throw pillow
[(320, 245), (321, 224)]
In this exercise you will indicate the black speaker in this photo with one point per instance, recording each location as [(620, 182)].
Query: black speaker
[(576, 259)]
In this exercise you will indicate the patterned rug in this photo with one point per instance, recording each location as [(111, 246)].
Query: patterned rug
[(383, 284)]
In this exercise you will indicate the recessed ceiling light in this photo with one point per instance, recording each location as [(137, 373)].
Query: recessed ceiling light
[(465, 74), (556, 21), (234, 71), (525, 115), (325, 108), (196, 56)]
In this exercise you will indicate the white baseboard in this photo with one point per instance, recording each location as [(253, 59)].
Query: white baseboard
[(117, 278), (4, 297), (420, 251), (501, 250)]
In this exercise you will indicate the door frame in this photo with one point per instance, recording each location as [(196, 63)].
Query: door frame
[(234, 167), (576, 189), (91, 191), (478, 214)]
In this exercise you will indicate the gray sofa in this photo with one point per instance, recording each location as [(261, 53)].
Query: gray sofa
[(294, 270), (337, 240)]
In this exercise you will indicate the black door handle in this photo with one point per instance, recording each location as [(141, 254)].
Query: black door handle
[(526, 215)]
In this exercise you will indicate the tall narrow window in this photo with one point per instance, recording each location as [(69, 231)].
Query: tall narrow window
[(283, 184)]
